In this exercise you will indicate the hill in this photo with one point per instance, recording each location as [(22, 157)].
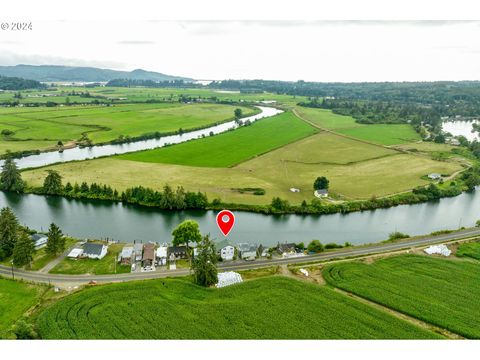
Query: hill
[(85, 74), (15, 83)]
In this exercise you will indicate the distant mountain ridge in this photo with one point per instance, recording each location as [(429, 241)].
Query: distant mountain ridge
[(47, 73)]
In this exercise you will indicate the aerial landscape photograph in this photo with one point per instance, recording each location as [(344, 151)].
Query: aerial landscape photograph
[(215, 178)]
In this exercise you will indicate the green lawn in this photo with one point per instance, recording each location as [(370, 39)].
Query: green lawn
[(384, 134), (41, 258), (439, 291), (15, 299), (230, 148), (471, 250), (41, 128), (93, 266), (267, 308)]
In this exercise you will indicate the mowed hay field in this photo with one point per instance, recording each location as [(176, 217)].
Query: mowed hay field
[(233, 147), (15, 299), (266, 308), (439, 291), (384, 134), (44, 127), (355, 169)]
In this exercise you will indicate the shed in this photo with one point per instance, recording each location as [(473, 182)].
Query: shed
[(75, 253)]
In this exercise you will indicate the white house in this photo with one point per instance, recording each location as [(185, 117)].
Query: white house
[(321, 193), (94, 250), (162, 253), (40, 240), (434, 176), (227, 253)]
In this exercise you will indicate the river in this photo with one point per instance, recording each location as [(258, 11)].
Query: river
[(52, 157), (97, 220)]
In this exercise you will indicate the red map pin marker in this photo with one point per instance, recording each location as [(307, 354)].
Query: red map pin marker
[(225, 221)]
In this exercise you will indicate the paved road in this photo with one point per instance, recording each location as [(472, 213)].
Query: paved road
[(74, 280)]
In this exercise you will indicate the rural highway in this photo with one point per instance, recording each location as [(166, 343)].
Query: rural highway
[(64, 281)]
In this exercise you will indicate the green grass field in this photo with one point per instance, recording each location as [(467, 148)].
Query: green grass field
[(267, 308), (15, 299), (42, 128), (470, 250), (230, 148), (93, 266), (439, 291), (384, 134)]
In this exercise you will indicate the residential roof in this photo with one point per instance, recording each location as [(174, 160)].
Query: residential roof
[(93, 248), (149, 252), (36, 237), (243, 247), (127, 252), (162, 252), (286, 246), (75, 253), (177, 249), (138, 247)]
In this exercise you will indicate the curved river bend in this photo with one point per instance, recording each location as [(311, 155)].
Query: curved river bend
[(52, 157), (95, 219)]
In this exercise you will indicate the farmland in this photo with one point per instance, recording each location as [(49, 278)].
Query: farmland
[(438, 291), (15, 299), (231, 148), (42, 128), (93, 266), (266, 308), (384, 134)]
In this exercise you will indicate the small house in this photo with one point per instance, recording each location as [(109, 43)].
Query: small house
[(148, 258), (162, 255), (94, 250), (40, 240), (138, 251), (321, 193), (434, 176), (126, 255), (227, 253), (180, 252), (286, 248), (247, 251)]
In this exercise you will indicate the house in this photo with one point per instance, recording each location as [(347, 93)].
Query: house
[(180, 252), (434, 176), (321, 193), (75, 253), (138, 251), (227, 253), (247, 251), (286, 248), (126, 255), (40, 240), (162, 255), (148, 258), (94, 250)]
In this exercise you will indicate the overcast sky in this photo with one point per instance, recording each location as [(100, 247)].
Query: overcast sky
[(283, 50)]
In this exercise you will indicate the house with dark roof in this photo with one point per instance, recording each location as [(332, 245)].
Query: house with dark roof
[(286, 248), (180, 252), (247, 251), (148, 258), (94, 250)]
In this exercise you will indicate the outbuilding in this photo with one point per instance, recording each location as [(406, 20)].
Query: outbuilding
[(75, 253), (321, 193), (434, 176)]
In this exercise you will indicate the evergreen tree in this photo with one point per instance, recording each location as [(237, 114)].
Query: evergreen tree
[(10, 178), (8, 232), (52, 184), (56, 241), (23, 250), (204, 265)]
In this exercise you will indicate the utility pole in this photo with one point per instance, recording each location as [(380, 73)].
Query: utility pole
[(115, 264), (13, 274)]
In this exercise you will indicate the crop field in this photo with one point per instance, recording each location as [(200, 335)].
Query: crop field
[(233, 147), (15, 299), (93, 266), (41, 128), (439, 291), (384, 134), (355, 170), (266, 308), (469, 250)]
